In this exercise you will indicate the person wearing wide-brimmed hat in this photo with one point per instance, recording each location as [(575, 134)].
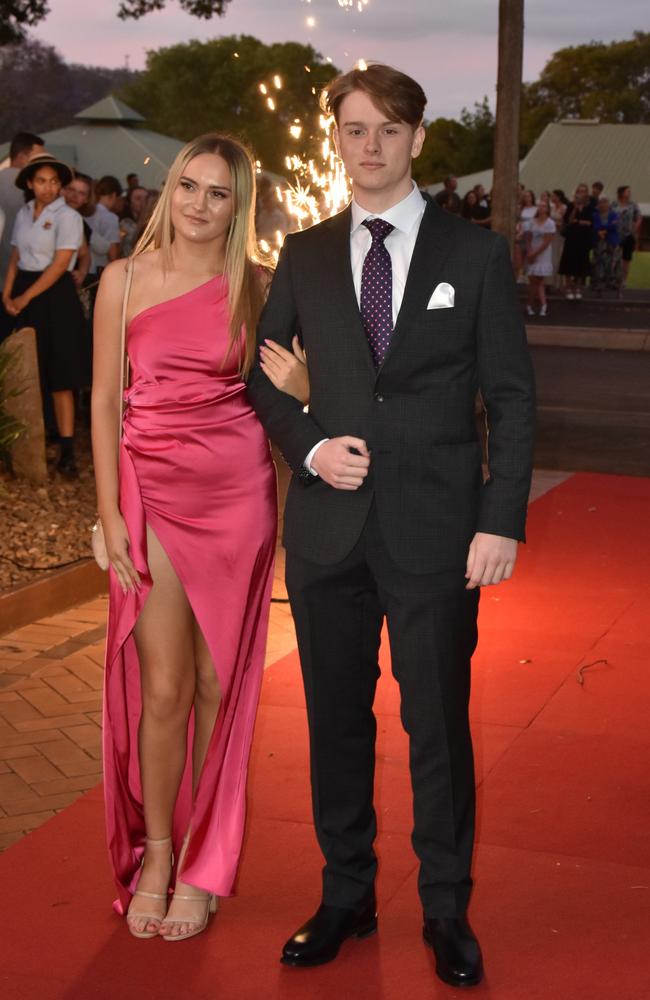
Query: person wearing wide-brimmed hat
[(39, 290)]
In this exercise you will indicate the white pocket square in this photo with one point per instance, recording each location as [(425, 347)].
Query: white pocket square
[(443, 296)]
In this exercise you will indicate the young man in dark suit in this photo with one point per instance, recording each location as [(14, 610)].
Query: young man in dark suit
[(405, 312)]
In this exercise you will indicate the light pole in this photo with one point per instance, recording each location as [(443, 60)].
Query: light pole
[(506, 135)]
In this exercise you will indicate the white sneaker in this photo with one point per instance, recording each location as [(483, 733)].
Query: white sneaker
[(542, 310), (578, 294), (570, 295), (530, 310)]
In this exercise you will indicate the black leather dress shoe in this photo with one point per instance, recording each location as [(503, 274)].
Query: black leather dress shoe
[(458, 954), (318, 941)]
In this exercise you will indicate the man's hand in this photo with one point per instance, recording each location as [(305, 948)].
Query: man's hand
[(491, 559), (342, 462)]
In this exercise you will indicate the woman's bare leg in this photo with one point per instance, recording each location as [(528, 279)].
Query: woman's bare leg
[(542, 293), (531, 296), (64, 412), (626, 272), (207, 699), (165, 643)]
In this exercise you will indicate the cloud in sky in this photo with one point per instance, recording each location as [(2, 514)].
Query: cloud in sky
[(450, 47)]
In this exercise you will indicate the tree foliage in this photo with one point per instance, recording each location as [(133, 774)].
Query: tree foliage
[(17, 15), (610, 82), (456, 147), (197, 8), (197, 87), (41, 92)]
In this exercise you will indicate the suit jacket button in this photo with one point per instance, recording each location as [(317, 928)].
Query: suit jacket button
[(379, 398)]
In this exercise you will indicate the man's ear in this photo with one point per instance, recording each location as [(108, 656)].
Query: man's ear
[(418, 141)]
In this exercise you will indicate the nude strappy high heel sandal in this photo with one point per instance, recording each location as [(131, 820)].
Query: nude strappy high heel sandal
[(165, 841), (199, 923)]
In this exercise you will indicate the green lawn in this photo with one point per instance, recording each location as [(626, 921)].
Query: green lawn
[(639, 276)]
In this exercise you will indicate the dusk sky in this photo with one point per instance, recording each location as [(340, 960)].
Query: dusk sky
[(450, 47)]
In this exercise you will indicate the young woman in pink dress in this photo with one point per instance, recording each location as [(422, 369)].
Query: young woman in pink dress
[(188, 506)]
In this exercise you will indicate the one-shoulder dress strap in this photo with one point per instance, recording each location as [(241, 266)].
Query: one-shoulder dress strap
[(124, 379)]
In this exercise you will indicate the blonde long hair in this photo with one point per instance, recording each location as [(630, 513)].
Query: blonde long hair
[(246, 287)]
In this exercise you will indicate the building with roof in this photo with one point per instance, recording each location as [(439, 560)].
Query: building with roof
[(574, 150), (109, 137)]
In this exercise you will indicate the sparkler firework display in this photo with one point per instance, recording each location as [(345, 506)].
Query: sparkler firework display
[(350, 4), (320, 187)]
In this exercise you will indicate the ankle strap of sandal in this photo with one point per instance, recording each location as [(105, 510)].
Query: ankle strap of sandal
[(151, 895), (157, 843)]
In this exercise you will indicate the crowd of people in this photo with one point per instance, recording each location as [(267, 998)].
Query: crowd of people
[(59, 229), (562, 242)]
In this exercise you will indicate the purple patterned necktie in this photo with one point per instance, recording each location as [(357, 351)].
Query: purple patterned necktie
[(377, 290)]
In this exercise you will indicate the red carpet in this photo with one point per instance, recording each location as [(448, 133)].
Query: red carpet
[(562, 901)]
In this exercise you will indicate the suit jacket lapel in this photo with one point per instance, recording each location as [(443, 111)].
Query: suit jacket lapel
[(432, 247), (338, 274)]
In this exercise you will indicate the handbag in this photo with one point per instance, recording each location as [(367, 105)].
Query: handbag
[(97, 540)]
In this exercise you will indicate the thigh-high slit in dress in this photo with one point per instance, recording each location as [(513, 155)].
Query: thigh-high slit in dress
[(195, 467)]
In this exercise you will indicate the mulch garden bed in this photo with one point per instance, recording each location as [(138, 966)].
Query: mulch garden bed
[(46, 527)]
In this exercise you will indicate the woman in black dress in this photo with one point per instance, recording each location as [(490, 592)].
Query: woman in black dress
[(39, 291), (578, 237)]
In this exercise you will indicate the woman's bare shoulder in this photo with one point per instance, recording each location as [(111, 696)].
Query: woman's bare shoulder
[(113, 277), (148, 263)]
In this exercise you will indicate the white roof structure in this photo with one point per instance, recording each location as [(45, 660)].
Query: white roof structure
[(575, 150), (109, 138)]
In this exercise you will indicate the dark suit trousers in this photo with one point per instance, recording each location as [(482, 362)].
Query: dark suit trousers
[(432, 626)]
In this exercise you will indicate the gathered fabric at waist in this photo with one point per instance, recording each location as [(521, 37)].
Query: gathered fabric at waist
[(214, 398), (202, 433)]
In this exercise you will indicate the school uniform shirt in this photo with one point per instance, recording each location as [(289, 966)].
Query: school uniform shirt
[(11, 202), (106, 230), (58, 227)]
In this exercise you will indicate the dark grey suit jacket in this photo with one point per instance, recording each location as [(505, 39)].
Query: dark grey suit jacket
[(416, 412)]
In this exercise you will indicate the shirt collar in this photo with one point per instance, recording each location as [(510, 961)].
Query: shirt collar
[(403, 216), (49, 209)]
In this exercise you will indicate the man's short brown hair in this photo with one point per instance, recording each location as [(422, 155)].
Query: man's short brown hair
[(395, 94), (107, 185)]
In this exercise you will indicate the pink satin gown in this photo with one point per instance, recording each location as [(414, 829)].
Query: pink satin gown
[(195, 466)]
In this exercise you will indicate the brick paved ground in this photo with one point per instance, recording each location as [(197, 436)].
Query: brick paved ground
[(51, 675)]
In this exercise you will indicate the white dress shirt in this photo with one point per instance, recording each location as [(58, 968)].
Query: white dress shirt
[(105, 227), (58, 227), (406, 217), (11, 202)]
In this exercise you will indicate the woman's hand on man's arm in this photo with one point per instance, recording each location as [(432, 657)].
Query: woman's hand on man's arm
[(287, 371)]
